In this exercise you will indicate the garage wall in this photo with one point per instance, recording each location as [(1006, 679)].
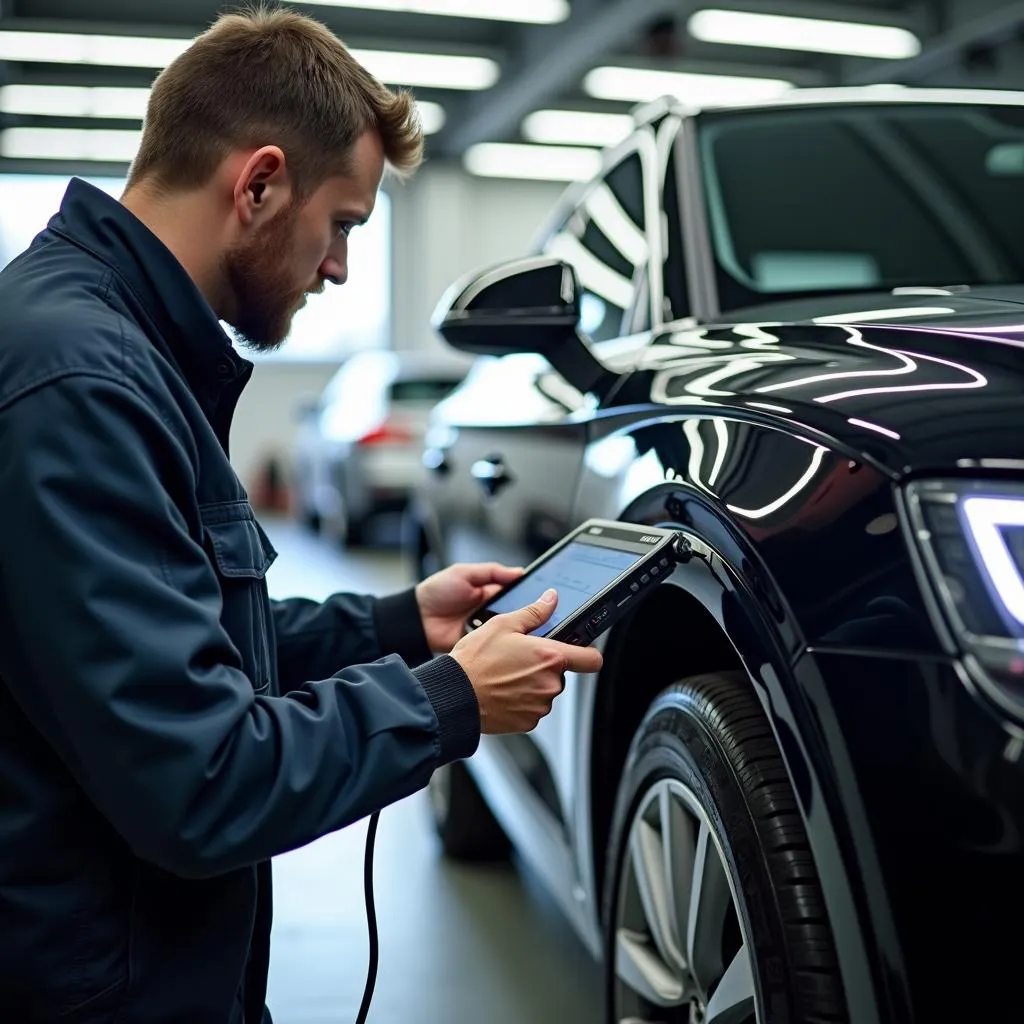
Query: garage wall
[(444, 223)]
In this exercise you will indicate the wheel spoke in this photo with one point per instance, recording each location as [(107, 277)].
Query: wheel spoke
[(642, 969), (733, 1001), (679, 842), (710, 900), (649, 858)]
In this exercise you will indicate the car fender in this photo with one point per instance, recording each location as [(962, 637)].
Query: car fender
[(733, 585)]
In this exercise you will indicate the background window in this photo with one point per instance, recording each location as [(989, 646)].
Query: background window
[(332, 325), (29, 201)]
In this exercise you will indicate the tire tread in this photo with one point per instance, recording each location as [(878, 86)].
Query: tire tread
[(732, 715)]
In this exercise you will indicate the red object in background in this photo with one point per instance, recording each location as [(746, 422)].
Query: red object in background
[(387, 433), (269, 491)]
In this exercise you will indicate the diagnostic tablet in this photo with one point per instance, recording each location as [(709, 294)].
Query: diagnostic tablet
[(600, 571)]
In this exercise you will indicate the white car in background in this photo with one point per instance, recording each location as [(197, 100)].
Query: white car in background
[(359, 444)]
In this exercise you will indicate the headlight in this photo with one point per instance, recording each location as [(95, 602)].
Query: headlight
[(970, 538)]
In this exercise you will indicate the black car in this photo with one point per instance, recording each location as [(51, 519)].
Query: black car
[(795, 332)]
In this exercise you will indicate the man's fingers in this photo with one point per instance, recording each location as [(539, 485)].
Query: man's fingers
[(482, 574), (489, 591), (581, 659), (529, 617)]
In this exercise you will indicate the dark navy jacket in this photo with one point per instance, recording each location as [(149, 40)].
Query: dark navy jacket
[(165, 728)]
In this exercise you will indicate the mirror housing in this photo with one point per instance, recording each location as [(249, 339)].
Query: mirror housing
[(524, 305)]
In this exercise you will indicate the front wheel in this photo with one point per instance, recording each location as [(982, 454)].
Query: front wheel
[(713, 908)]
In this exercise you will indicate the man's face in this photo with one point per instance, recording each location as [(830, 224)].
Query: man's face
[(300, 249)]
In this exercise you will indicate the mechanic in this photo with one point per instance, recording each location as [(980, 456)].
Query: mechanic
[(165, 728)]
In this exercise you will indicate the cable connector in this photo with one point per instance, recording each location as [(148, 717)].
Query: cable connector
[(682, 549)]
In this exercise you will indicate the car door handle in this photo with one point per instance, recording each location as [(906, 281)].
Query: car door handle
[(436, 460), (491, 474)]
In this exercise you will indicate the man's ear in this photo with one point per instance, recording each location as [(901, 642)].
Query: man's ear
[(262, 186)]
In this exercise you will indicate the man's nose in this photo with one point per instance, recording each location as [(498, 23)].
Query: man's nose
[(334, 270)]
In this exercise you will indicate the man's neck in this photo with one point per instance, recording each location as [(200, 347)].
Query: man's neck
[(187, 225)]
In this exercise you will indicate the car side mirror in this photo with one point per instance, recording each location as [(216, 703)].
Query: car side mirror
[(524, 305)]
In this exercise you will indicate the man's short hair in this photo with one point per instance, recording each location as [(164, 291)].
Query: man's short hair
[(270, 77)]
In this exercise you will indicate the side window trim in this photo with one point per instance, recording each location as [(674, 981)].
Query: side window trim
[(665, 141), (700, 269)]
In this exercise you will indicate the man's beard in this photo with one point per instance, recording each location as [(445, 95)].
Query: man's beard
[(265, 299)]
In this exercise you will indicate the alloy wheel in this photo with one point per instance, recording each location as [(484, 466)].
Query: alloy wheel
[(681, 955)]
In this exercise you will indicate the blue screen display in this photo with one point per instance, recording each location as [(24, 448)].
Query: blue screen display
[(577, 572)]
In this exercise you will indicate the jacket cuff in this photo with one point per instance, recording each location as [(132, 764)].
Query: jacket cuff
[(453, 699), (399, 627)]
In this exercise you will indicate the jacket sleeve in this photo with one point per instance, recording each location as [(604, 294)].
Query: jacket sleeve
[(316, 639), (114, 649)]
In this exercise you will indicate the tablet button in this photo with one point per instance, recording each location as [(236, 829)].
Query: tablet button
[(645, 578), (634, 587), (655, 570), (597, 618)]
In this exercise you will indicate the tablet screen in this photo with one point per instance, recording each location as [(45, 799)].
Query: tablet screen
[(578, 572)]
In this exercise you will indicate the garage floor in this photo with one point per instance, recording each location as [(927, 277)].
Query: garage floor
[(458, 945)]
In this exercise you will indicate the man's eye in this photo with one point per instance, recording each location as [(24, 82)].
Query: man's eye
[(343, 227)]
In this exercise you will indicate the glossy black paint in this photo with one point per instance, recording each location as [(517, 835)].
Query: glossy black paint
[(779, 443)]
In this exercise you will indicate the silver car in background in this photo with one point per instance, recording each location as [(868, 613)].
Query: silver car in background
[(359, 445)]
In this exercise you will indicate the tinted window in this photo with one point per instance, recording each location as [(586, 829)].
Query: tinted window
[(605, 242), (422, 390), (868, 198)]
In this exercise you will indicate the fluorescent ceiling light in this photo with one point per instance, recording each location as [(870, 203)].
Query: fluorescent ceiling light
[(432, 116), (73, 101), (541, 163), (69, 48), (745, 28), (576, 127), (431, 70), (640, 85), (99, 101), (69, 144), (535, 12)]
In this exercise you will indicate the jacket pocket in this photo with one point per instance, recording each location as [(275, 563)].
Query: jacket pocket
[(241, 555)]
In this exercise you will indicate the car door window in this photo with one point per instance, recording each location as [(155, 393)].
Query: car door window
[(605, 240)]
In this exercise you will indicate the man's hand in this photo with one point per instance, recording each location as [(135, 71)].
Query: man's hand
[(517, 676), (447, 598)]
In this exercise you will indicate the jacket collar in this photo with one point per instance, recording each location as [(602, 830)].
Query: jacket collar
[(98, 223)]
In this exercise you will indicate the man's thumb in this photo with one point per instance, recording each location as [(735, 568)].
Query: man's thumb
[(533, 615)]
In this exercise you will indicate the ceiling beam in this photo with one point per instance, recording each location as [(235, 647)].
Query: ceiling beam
[(991, 29), (545, 61)]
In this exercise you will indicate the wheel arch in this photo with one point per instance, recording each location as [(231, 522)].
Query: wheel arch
[(699, 622)]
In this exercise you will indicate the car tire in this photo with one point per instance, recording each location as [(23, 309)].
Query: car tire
[(705, 795), (310, 521), (464, 823)]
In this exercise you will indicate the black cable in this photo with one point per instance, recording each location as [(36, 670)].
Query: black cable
[(371, 919)]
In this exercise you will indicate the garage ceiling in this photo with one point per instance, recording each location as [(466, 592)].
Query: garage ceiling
[(581, 56)]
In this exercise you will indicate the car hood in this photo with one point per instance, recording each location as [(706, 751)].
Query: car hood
[(911, 381)]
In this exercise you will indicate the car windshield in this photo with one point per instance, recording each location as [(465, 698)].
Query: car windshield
[(423, 389), (866, 198)]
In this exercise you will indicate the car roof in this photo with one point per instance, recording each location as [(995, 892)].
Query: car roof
[(835, 96)]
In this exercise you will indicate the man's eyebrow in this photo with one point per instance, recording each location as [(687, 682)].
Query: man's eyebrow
[(353, 215)]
